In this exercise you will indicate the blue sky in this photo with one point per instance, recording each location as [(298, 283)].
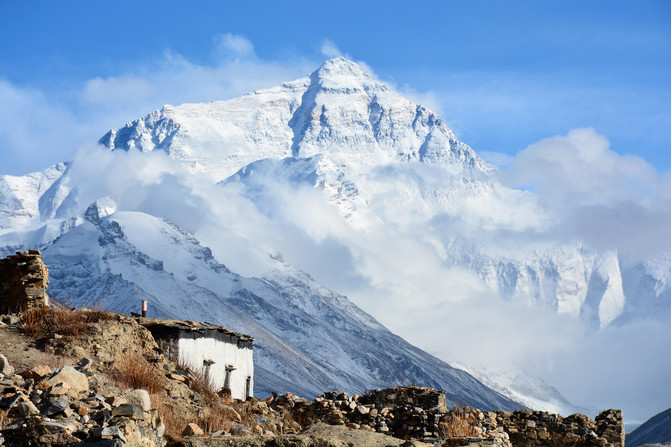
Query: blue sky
[(503, 74)]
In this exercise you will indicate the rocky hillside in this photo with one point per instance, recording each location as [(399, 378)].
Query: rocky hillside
[(94, 378)]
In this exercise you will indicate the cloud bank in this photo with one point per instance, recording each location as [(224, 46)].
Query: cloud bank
[(595, 195)]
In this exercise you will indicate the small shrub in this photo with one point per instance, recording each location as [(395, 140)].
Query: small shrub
[(200, 384), (134, 371), (95, 315), (457, 422)]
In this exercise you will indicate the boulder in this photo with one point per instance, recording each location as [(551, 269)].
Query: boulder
[(139, 398), (59, 390), (59, 439), (56, 406), (77, 381), (37, 373), (5, 368), (27, 409), (193, 430), (112, 431), (128, 410)]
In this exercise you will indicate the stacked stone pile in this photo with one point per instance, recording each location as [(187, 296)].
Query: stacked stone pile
[(403, 412), (23, 281), (527, 427), (421, 414), (70, 406)]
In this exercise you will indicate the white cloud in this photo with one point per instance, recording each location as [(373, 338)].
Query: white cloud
[(34, 129), (595, 195), (580, 167), (114, 91), (226, 45), (329, 49)]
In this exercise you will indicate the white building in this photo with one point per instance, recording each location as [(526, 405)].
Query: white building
[(221, 355)]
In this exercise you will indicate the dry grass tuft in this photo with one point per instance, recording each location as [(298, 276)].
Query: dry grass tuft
[(59, 319), (201, 385), (457, 422), (134, 371), (214, 417), (96, 314), (52, 320), (173, 419)]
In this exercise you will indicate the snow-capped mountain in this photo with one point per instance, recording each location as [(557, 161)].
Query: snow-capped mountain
[(339, 110), (346, 180), (343, 131)]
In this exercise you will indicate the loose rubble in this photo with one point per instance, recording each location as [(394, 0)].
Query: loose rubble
[(69, 406)]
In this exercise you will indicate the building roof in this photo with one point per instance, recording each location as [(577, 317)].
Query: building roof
[(164, 328)]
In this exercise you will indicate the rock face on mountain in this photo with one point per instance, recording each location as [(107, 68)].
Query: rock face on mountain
[(385, 168), (656, 430)]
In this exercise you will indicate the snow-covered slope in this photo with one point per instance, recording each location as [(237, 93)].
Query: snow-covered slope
[(22, 197), (331, 167), (308, 338)]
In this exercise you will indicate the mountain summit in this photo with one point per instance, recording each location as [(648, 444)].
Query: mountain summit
[(340, 111)]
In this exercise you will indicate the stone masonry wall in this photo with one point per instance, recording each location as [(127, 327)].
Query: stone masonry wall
[(23, 281)]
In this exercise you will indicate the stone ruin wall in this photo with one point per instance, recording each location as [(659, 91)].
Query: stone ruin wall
[(23, 281), (422, 414)]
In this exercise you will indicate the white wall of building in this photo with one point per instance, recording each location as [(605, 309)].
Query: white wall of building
[(192, 352)]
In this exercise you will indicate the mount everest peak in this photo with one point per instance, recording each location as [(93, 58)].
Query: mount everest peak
[(261, 212), (339, 110)]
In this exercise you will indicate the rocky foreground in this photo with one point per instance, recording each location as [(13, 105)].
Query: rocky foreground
[(93, 378)]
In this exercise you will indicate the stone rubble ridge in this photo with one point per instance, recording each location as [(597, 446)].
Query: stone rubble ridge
[(419, 413), (73, 405)]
